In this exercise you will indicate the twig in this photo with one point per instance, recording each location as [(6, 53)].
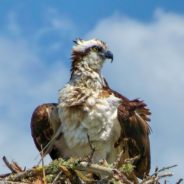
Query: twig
[(13, 182), (157, 175), (155, 180), (163, 169), (118, 161), (103, 171), (156, 172), (9, 165), (92, 149), (21, 175), (16, 167), (98, 169), (4, 175), (132, 160), (50, 144), (179, 181), (57, 177), (167, 168), (43, 166), (121, 177), (165, 175)]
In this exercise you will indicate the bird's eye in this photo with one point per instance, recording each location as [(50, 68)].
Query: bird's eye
[(96, 49)]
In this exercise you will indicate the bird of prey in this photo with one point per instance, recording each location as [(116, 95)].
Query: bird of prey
[(89, 110)]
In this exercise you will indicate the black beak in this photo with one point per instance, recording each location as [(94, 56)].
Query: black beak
[(108, 54)]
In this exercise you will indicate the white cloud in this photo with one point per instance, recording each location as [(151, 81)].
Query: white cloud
[(12, 25), (56, 22), (25, 82), (148, 63)]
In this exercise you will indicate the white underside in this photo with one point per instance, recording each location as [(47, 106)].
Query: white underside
[(96, 118)]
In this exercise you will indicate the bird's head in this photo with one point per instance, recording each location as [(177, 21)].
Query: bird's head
[(90, 54)]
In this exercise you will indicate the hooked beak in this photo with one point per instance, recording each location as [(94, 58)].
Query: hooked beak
[(109, 55)]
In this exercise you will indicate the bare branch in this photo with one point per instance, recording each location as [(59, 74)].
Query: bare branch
[(179, 181), (158, 174), (43, 167), (56, 178), (167, 168), (92, 149), (13, 182), (103, 171), (119, 160), (13, 167)]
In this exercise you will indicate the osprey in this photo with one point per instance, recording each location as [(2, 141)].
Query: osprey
[(89, 110)]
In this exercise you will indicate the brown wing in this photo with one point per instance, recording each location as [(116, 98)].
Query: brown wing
[(133, 117), (44, 122)]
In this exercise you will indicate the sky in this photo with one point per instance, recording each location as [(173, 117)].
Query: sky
[(147, 39)]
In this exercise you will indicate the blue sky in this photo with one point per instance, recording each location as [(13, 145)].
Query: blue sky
[(146, 37)]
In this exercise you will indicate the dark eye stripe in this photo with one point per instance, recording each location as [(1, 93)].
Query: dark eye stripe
[(97, 48)]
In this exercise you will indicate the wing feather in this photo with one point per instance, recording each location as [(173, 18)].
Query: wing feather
[(44, 122), (133, 116)]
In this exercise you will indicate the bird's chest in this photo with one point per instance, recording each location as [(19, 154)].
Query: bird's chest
[(95, 121)]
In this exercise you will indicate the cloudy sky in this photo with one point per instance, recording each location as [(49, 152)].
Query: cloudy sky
[(146, 37)]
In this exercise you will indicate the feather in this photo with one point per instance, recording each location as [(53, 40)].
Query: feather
[(128, 117), (42, 128), (133, 117)]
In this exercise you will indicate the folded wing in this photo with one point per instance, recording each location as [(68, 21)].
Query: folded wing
[(133, 116), (44, 123)]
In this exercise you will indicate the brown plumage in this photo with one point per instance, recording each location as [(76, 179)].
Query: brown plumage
[(42, 128), (136, 129), (133, 116)]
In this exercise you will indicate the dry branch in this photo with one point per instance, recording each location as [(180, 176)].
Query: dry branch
[(14, 167), (92, 149), (75, 171)]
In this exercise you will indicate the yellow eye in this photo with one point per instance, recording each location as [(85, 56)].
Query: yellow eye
[(96, 49)]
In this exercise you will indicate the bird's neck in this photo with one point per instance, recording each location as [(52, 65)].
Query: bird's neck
[(86, 77), (84, 83)]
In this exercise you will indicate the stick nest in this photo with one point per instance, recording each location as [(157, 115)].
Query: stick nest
[(76, 171)]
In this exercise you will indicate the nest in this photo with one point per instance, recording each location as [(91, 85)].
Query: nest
[(76, 171)]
